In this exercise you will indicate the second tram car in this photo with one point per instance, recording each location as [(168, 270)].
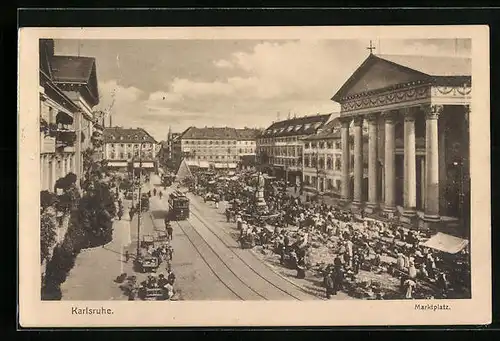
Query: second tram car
[(178, 205)]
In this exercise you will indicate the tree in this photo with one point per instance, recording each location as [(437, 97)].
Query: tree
[(47, 233)]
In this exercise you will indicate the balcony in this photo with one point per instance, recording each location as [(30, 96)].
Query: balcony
[(65, 139), (47, 144)]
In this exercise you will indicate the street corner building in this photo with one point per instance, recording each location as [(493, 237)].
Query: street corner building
[(124, 145), (412, 114), (322, 167), (280, 146), (68, 92)]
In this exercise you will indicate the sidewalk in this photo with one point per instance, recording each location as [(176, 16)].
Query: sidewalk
[(92, 277)]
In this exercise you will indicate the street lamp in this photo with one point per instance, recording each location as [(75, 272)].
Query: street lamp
[(139, 199)]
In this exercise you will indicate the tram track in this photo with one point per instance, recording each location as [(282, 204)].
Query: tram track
[(259, 274), (208, 263), (308, 295)]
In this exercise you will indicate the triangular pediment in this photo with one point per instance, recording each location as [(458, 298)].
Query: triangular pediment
[(377, 74)]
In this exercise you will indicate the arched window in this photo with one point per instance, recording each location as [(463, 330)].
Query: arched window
[(329, 163)]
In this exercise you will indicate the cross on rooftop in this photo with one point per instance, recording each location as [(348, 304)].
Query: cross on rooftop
[(371, 47)]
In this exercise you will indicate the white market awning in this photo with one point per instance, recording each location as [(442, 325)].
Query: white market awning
[(446, 243), (117, 163), (204, 164), (144, 164)]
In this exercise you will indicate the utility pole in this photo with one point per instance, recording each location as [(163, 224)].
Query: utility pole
[(140, 203)]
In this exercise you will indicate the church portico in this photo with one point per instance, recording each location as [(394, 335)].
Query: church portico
[(417, 139)]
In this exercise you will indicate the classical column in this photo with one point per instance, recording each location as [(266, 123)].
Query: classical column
[(358, 160), (372, 163), (432, 163), (42, 171), (389, 164), (345, 158), (53, 173), (63, 165), (410, 166)]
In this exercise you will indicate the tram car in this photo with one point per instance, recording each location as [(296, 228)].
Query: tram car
[(178, 205)]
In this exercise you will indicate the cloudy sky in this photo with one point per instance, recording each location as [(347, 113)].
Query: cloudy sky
[(179, 83)]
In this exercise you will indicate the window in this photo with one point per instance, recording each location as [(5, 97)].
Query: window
[(216, 142), (223, 142), (307, 145), (314, 181), (338, 183), (337, 145), (314, 162), (289, 128), (313, 145), (329, 145), (329, 163), (129, 146), (129, 155), (307, 179), (121, 144), (122, 155), (322, 145), (338, 162), (211, 142), (329, 184), (321, 162), (297, 127)]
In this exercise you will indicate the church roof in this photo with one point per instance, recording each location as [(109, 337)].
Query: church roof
[(384, 72), (437, 66)]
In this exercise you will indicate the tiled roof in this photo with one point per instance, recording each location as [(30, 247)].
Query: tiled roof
[(436, 66), (71, 68), (247, 133), (220, 133), (127, 135), (305, 125), (330, 130)]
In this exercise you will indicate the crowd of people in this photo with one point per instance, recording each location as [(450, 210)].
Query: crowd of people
[(356, 247)]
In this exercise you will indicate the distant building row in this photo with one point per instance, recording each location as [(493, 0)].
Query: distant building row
[(211, 147)]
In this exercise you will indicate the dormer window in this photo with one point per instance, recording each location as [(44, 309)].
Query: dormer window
[(297, 127)]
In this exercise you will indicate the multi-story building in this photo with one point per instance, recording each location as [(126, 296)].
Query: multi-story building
[(216, 147), (247, 145), (124, 145), (68, 92), (322, 166), (279, 147)]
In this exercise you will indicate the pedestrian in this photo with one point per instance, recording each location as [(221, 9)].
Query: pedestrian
[(120, 213), (216, 204), (127, 256), (160, 195), (131, 213), (170, 252), (154, 192), (170, 232)]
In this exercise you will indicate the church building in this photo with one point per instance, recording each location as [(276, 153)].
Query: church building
[(416, 110)]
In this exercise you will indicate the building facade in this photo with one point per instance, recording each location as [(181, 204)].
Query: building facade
[(68, 92), (322, 155), (280, 146), (124, 145), (216, 147), (416, 110)]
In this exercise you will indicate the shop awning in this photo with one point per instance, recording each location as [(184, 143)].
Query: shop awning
[(204, 164), (446, 243), (192, 163)]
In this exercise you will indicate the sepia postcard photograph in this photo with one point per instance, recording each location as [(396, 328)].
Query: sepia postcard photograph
[(254, 176)]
